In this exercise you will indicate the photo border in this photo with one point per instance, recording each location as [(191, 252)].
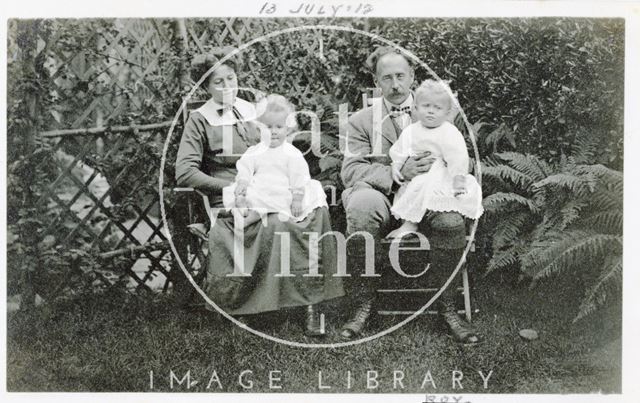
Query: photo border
[(630, 11)]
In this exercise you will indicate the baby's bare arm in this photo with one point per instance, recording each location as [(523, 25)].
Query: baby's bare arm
[(459, 186), (296, 203)]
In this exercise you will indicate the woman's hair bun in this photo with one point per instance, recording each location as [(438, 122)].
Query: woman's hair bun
[(201, 63)]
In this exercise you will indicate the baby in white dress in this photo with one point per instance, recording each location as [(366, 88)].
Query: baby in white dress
[(273, 176), (447, 186)]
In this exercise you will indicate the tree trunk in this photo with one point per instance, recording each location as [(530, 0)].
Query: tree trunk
[(180, 41), (28, 39)]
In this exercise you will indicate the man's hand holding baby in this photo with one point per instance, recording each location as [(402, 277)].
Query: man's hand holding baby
[(396, 175), (416, 165)]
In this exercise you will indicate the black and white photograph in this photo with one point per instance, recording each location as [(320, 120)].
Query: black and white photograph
[(328, 198)]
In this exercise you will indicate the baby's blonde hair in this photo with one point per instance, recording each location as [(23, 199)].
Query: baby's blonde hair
[(431, 86), (274, 103)]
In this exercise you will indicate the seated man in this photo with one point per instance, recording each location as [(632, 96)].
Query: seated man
[(369, 189)]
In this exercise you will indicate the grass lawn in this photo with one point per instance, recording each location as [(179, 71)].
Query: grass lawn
[(111, 342)]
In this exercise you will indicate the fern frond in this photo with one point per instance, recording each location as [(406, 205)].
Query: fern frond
[(501, 132), (496, 202), (585, 148), (615, 188), (568, 249), (526, 163), (508, 228), (609, 191), (545, 226), (557, 218), (539, 198), (504, 258), (489, 161), (569, 213), (609, 282), (552, 223), (580, 185), (478, 127), (606, 198), (599, 170), (509, 174), (460, 124), (607, 221)]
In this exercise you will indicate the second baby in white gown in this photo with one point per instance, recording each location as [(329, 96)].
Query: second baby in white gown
[(273, 176), (447, 186)]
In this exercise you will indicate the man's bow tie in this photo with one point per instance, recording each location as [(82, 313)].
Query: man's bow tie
[(396, 110)]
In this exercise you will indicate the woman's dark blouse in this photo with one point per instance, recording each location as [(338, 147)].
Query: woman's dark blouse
[(201, 162)]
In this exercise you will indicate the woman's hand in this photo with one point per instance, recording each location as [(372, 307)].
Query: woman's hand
[(242, 205), (241, 188), (241, 197)]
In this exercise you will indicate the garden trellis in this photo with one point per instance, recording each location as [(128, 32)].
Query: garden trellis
[(96, 221), (113, 87)]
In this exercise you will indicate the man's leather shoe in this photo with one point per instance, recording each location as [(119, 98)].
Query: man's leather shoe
[(458, 328), (355, 326)]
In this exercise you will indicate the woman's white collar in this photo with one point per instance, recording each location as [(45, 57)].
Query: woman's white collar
[(211, 112)]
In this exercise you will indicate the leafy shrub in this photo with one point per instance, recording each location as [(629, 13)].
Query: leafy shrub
[(37, 99), (563, 218), (549, 81)]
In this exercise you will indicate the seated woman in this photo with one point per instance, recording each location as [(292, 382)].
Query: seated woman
[(214, 137)]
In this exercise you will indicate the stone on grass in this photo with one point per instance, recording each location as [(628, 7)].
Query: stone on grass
[(528, 334)]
